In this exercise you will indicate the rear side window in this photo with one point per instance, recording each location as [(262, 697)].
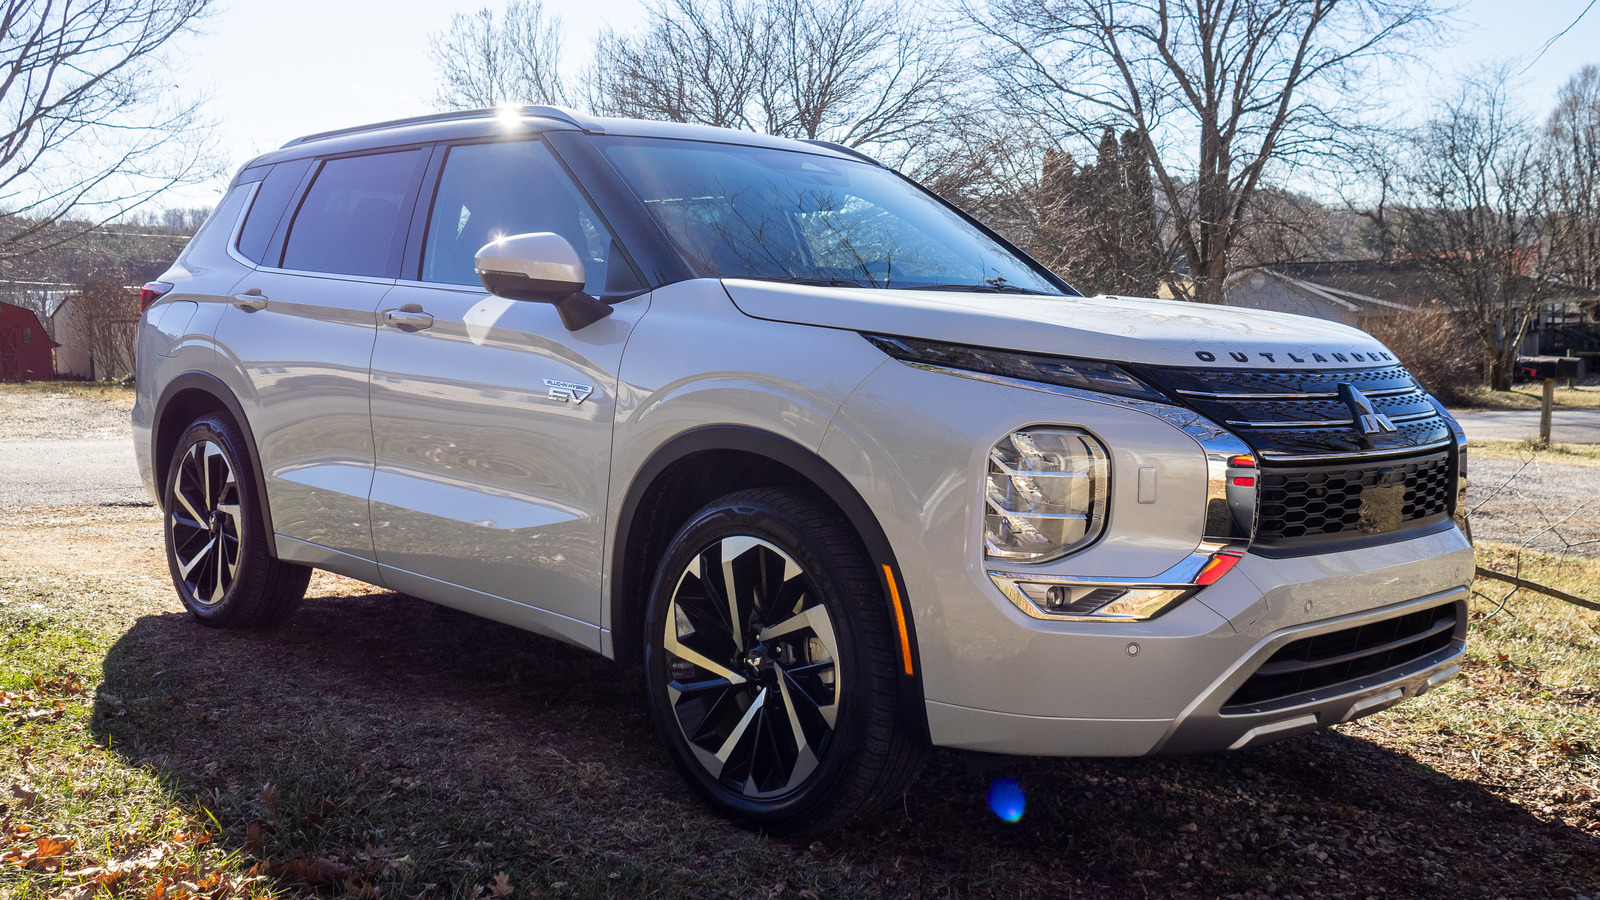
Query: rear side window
[(272, 198), (488, 191), (349, 222)]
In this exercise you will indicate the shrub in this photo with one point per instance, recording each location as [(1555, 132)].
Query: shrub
[(1438, 349)]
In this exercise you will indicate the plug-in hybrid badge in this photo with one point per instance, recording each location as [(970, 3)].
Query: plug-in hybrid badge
[(568, 391)]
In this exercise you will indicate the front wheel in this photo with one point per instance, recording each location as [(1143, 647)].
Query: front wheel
[(771, 665), (216, 540)]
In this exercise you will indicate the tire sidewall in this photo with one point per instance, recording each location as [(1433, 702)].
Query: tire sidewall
[(222, 433), (759, 520)]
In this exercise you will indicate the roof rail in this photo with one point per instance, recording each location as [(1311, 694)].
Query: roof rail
[(559, 113), (847, 151)]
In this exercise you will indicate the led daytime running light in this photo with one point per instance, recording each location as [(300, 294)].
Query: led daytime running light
[(1084, 374)]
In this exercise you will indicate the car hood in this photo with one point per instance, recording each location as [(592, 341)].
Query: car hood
[(1119, 329)]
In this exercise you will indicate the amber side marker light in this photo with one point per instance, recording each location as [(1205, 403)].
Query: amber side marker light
[(1219, 566), (899, 619)]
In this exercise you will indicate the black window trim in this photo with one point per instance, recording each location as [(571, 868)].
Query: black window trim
[(278, 244), (292, 202)]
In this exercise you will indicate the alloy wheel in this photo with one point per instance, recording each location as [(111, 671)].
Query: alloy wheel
[(754, 672), (203, 514)]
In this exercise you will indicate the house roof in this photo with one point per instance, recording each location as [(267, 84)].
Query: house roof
[(1401, 281), (1338, 295)]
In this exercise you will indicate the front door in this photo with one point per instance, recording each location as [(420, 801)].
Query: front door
[(492, 422)]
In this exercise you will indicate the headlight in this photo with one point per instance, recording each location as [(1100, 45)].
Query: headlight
[(1084, 374), (1045, 494)]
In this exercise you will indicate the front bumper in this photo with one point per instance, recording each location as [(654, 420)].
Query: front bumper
[(1172, 685)]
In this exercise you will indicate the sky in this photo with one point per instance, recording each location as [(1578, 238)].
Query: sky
[(277, 70)]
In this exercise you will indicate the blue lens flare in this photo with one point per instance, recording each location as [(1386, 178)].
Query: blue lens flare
[(1006, 799)]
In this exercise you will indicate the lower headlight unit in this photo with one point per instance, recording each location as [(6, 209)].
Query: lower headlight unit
[(1045, 495), (1086, 601)]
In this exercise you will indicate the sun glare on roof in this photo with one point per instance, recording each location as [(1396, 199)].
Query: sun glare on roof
[(508, 114)]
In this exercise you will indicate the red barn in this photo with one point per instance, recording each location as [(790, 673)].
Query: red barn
[(25, 350)]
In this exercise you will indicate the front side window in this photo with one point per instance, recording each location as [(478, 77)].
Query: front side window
[(349, 221), (489, 191), (752, 212)]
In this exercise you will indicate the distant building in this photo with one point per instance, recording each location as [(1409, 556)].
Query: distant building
[(1338, 292), (25, 348), (73, 359)]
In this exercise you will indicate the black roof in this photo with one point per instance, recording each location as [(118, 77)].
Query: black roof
[(488, 122)]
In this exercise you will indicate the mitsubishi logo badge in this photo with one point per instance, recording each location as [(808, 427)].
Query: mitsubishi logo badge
[(1367, 420)]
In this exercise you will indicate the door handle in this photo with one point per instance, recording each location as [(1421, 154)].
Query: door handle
[(251, 299), (408, 316)]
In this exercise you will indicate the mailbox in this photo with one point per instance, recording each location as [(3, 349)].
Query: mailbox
[(1541, 367)]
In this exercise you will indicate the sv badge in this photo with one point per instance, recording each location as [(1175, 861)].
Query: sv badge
[(568, 391)]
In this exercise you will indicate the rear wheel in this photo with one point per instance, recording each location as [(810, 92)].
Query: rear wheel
[(770, 663), (216, 542)]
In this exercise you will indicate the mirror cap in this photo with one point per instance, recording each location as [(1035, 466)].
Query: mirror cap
[(538, 263)]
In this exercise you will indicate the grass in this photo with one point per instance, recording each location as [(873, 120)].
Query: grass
[(78, 817), (93, 390), (1531, 396), (380, 747), (1522, 451)]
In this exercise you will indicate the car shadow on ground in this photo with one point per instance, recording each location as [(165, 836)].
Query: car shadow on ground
[(423, 750)]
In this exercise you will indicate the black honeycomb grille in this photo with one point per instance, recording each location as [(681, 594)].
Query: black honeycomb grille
[(1370, 498), (1326, 660)]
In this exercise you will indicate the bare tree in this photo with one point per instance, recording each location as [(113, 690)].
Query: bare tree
[(1476, 203), (1220, 89), (105, 314), (87, 111), (1098, 224), (1572, 162), (870, 74), (488, 60)]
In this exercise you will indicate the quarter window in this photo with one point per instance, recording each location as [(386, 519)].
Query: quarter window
[(349, 221), (276, 190), (488, 191)]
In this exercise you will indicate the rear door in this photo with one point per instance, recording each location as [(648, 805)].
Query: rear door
[(301, 331), (493, 422)]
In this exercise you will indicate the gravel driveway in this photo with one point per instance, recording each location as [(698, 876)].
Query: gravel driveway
[(62, 449), (1548, 506)]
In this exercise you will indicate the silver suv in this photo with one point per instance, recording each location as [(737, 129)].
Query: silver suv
[(846, 472)]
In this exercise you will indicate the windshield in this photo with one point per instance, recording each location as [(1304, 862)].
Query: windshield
[(753, 212)]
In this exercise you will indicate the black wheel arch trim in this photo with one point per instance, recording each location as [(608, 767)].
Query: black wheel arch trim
[(627, 612), (210, 384)]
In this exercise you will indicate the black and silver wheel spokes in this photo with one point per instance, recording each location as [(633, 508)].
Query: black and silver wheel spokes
[(754, 666), (203, 514)]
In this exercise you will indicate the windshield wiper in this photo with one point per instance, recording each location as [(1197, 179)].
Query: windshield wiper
[(974, 288), (818, 282)]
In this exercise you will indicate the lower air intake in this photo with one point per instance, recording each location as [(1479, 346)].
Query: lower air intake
[(1331, 659)]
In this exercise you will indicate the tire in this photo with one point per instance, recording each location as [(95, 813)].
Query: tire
[(216, 541), (811, 653)]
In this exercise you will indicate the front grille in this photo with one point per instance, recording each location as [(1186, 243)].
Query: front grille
[(1287, 414), (1306, 503), (1337, 657)]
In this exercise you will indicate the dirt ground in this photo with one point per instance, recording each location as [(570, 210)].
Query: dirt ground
[(463, 747)]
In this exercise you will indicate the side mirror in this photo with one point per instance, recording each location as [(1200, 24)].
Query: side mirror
[(542, 267)]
